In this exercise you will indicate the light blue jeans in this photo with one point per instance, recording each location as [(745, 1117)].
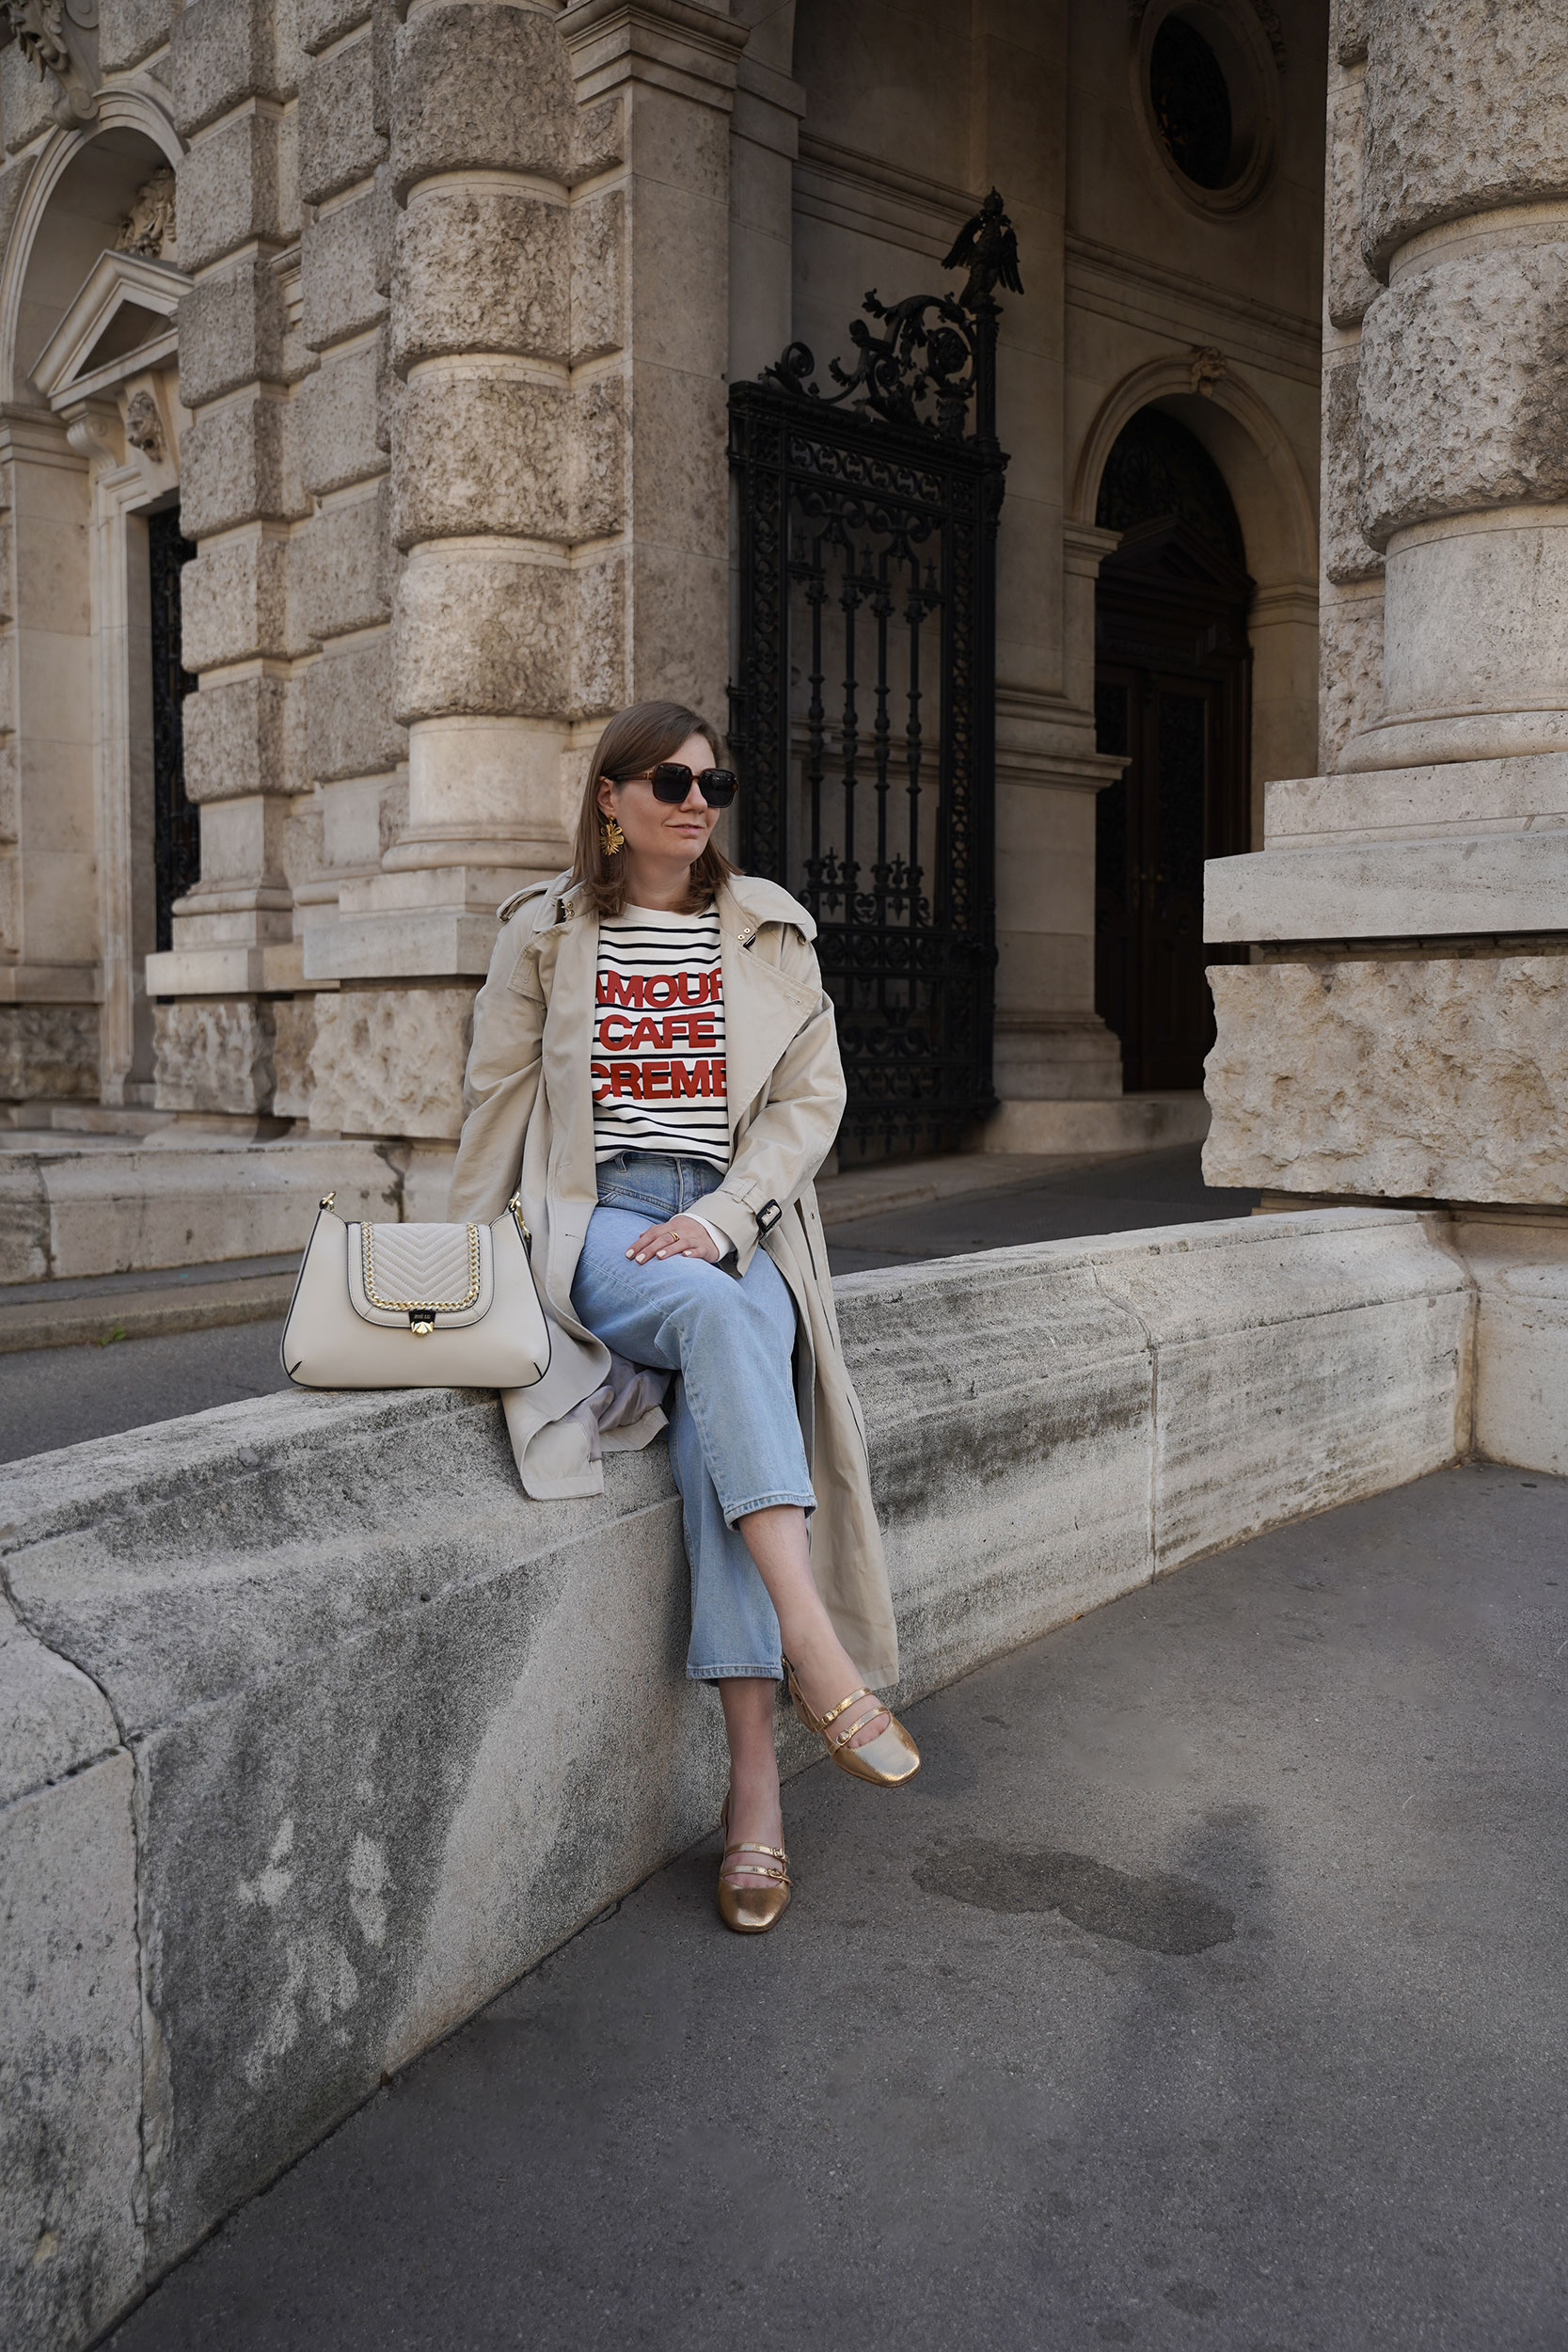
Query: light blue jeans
[(735, 1432)]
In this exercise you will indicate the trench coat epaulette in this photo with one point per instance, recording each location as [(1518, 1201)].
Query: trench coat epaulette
[(508, 906)]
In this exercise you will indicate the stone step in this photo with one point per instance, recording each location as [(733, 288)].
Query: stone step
[(104, 1209), (100, 1317), (1117, 1124)]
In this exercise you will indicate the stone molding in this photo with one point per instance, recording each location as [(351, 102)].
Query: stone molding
[(1459, 885), (62, 369), (133, 106), (681, 45), (1157, 379), (1101, 278)]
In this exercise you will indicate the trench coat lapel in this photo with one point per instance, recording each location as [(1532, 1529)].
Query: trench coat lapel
[(764, 1008)]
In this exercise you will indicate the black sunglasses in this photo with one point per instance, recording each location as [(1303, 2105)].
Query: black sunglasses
[(672, 782)]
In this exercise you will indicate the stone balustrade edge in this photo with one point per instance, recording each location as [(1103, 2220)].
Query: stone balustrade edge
[(315, 1732)]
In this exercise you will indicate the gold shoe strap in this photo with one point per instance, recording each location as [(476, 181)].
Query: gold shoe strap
[(758, 1869), (852, 1731), (833, 1713)]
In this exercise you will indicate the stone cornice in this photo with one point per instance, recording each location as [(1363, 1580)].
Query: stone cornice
[(681, 45)]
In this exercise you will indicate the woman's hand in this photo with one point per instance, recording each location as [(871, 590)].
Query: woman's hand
[(682, 1238)]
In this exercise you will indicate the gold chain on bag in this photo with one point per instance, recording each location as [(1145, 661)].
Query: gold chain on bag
[(433, 1306)]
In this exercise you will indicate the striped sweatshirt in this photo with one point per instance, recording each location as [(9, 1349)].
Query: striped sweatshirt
[(658, 1038)]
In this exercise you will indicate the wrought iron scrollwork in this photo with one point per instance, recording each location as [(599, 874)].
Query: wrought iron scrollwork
[(862, 717), (937, 351)]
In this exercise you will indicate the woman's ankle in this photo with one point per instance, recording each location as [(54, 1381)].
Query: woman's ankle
[(822, 1660)]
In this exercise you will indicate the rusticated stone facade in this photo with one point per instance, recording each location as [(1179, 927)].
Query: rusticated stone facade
[(426, 315), (1443, 1077), (1403, 1030), (214, 1053), (389, 1061), (50, 1050)]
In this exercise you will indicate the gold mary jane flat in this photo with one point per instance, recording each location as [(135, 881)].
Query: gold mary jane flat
[(887, 1760), (753, 1910)]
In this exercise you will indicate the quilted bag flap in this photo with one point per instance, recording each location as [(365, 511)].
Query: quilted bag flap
[(444, 1273)]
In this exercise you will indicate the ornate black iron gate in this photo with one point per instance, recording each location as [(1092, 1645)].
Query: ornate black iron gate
[(176, 825), (864, 719)]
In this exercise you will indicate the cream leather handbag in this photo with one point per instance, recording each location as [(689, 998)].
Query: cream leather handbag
[(416, 1306)]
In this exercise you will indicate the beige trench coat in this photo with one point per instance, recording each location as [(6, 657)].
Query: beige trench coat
[(530, 1110)]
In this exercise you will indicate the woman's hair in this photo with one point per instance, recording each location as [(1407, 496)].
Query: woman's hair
[(636, 741)]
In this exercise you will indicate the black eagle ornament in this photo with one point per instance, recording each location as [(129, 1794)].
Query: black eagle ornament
[(988, 248)]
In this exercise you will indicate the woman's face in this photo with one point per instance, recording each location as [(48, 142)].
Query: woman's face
[(652, 828)]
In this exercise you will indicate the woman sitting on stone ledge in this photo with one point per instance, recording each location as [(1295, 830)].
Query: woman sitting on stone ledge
[(654, 1051)]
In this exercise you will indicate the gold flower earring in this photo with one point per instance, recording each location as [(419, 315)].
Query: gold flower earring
[(611, 836)]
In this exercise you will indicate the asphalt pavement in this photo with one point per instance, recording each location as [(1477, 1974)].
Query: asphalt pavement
[(1115, 1197), (1208, 1989), (57, 1396)]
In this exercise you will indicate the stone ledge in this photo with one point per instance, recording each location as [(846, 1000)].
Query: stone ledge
[(108, 1210), (396, 1731), (1417, 803), (1095, 1123), (1459, 884), (430, 943), (141, 1314)]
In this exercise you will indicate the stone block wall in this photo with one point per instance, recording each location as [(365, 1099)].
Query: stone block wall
[(1350, 612), (232, 70), (430, 560), (358, 1814), (1400, 1030), (540, 565)]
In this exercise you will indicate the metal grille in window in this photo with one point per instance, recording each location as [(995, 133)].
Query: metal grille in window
[(1191, 104), (1159, 471), (175, 835), (863, 718)]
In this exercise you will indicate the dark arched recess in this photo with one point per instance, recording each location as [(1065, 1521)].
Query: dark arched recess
[(1172, 696)]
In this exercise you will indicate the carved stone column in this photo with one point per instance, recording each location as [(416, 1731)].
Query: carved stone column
[(1402, 1032), (232, 81), (561, 263), (668, 68)]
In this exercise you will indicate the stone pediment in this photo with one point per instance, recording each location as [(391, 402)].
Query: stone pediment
[(121, 322), (1171, 545)]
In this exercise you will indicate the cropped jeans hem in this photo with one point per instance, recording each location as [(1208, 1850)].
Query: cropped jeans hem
[(736, 1673), (736, 1512)]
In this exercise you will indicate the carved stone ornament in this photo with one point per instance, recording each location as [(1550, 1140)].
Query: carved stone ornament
[(144, 427), (95, 432), (52, 35), (148, 228), (1208, 366)]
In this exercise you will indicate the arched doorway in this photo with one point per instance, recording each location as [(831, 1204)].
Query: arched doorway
[(89, 300), (1172, 696)]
